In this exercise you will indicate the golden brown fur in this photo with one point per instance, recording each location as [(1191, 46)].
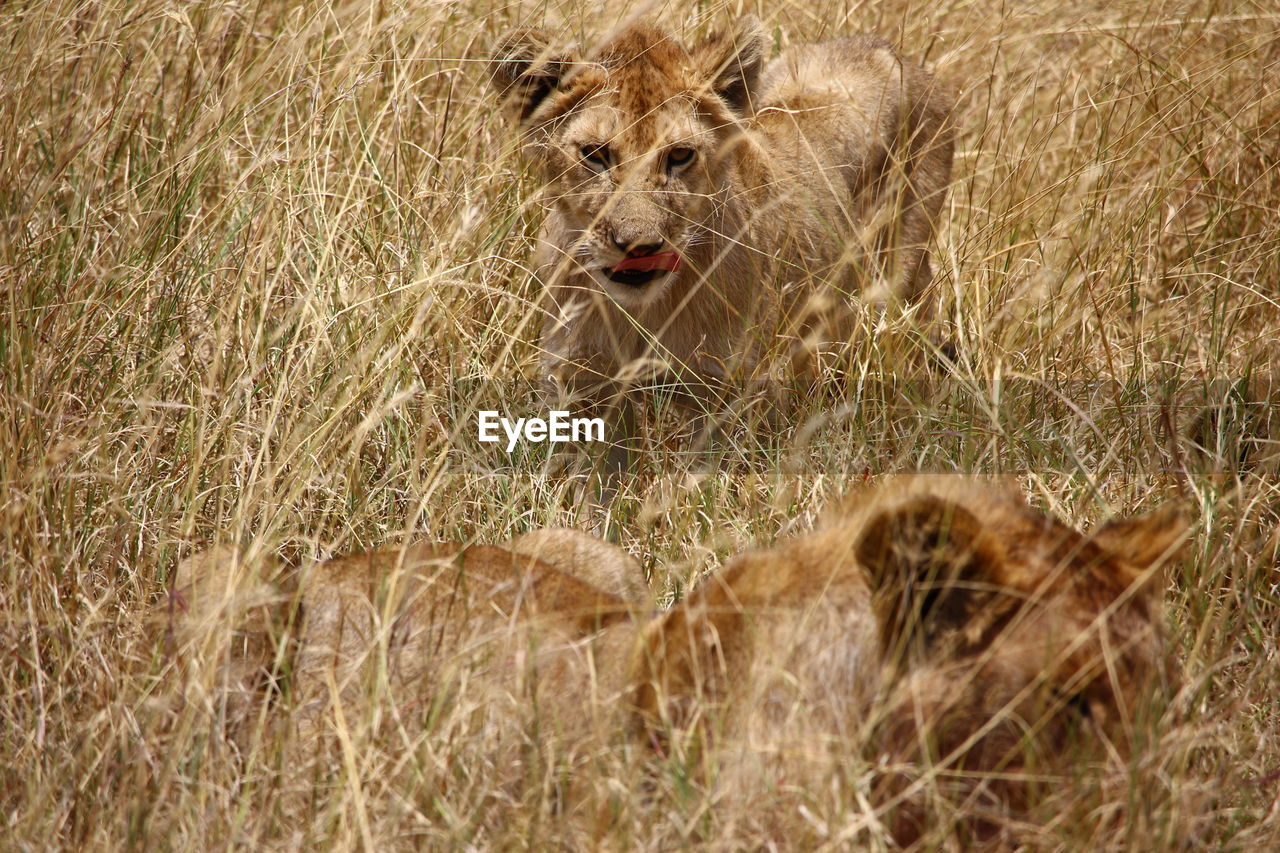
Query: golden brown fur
[(829, 165), (401, 618), (937, 629), (940, 628)]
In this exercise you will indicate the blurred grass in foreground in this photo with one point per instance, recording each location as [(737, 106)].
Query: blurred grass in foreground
[(261, 264)]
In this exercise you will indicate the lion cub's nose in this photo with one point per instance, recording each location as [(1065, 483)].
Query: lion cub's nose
[(638, 247)]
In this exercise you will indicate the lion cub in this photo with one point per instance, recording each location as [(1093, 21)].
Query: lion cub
[(702, 204), (963, 645), (936, 639)]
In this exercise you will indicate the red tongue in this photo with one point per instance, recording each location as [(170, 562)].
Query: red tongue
[(669, 261)]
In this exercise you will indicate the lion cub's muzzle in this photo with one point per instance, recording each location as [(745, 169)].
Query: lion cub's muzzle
[(638, 269)]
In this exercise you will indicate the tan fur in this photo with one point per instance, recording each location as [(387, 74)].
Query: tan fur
[(940, 628), (829, 165), (934, 627), (214, 591), (583, 556), (401, 618)]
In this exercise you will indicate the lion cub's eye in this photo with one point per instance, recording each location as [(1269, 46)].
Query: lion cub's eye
[(678, 157), (595, 156)]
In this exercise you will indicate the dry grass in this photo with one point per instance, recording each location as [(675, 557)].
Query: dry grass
[(263, 261)]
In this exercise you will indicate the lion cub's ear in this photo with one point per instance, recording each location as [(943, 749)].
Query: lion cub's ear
[(732, 60), (528, 65), (1144, 541), (935, 572)]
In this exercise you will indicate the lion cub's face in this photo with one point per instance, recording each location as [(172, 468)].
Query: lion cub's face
[(631, 142), (945, 630)]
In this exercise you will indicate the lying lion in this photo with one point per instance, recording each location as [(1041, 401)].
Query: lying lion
[(701, 203), (940, 630)]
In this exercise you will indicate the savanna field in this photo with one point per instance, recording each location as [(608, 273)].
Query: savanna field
[(262, 263)]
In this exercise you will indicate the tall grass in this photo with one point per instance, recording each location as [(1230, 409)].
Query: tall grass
[(261, 264)]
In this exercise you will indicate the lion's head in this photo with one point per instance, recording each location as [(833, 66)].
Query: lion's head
[(631, 138), (965, 643), (1018, 643)]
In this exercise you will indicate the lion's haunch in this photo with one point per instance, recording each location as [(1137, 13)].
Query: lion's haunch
[(668, 261)]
